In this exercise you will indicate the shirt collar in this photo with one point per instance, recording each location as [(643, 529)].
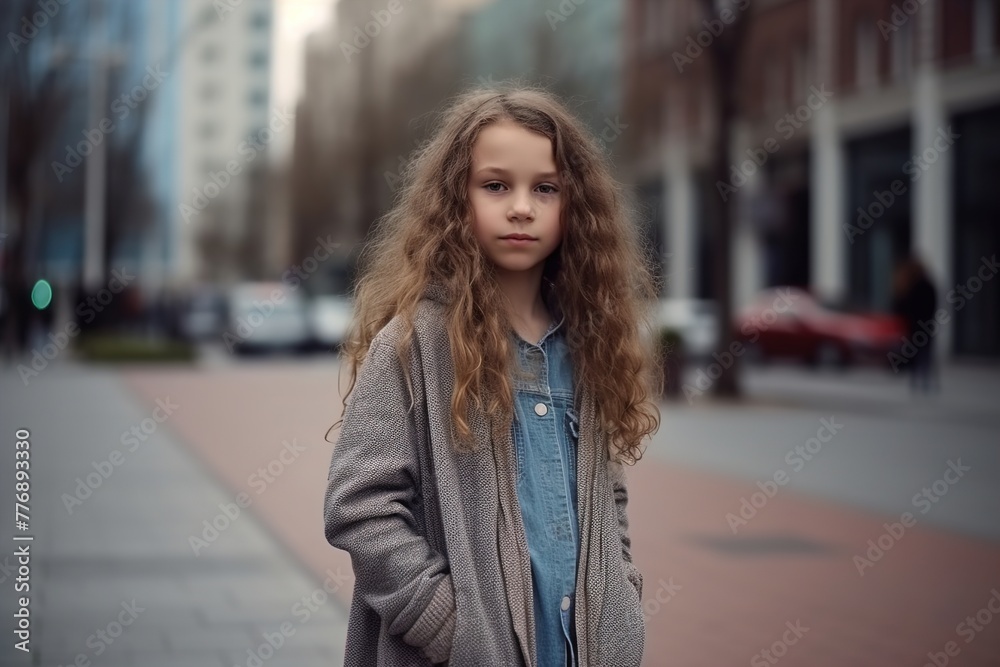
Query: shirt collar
[(555, 311), (551, 332)]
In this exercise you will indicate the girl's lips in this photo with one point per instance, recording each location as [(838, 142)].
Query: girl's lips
[(518, 237)]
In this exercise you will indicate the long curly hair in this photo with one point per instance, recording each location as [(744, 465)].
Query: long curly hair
[(601, 275)]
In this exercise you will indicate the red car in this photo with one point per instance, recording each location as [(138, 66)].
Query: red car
[(789, 323)]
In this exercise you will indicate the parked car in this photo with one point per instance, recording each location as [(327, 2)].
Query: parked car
[(329, 320), (266, 316), (789, 323), (204, 315), (695, 320)]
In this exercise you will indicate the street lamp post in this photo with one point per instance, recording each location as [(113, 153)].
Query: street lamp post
[(94, 189), (96, 174)]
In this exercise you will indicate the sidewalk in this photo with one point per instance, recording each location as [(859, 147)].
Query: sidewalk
[(712, 597), (117, 581)]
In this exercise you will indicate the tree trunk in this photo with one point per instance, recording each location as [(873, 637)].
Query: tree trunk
[(725, 58)]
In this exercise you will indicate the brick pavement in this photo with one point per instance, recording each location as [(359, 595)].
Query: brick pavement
[(712, 598), (793, 562)]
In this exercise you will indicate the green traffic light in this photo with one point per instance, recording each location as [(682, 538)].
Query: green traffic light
[(41, 294)]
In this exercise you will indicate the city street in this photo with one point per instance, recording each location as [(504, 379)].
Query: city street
[(773, 529), (191, 190)]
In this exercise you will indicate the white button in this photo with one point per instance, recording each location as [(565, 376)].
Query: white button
[(565, 603), (540, 409)]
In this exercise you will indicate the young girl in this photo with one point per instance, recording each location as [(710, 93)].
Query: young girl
[(500, 379)]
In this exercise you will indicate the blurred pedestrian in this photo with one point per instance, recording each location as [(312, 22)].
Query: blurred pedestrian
[(16, 302), (15, 328), (496, 343), (915, 300)]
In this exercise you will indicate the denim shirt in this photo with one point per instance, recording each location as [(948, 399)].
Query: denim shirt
[(545, 435)]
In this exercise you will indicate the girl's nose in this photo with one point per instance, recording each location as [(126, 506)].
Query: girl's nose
[(521, 207)]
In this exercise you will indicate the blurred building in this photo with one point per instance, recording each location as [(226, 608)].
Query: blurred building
[(96, 104), (155, 122), (224, 125), (573, 49), (375, 81), (77, 199), (371, 77), (866, 130)]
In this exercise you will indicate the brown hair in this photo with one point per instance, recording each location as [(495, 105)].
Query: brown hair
[(600, 274)]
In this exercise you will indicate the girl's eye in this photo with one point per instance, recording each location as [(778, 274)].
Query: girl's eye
[(551, 189), (489, 186)]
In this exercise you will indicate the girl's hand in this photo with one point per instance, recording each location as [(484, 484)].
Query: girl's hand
[(369, 509)]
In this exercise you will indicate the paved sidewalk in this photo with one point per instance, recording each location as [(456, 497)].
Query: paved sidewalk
[(712, 597), (123, 554)]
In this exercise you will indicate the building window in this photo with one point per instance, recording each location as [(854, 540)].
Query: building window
[(800, 73), (656, 130), (260, 20), (865, 54), (650, 27), (774, 87), (984, 25), (669, 31), (902, 53), (258, 59), (207, 130), (256, 134), (210, 52), (209, 91), (258, 98), (671, 115), (705, 112)]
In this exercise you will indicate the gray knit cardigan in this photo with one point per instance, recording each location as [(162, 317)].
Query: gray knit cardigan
[(440, 557)]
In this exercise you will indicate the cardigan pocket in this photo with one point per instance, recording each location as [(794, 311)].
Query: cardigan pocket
[(621, 629), (622, 625)]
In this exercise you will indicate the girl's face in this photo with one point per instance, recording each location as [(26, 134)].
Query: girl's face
[(514, 189)]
